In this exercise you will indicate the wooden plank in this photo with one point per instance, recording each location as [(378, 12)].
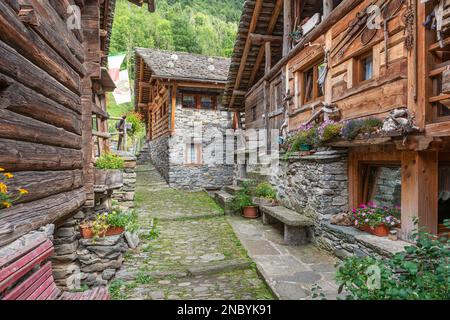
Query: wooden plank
[(23, 218), (28, 129), (22, 100), (24, 156), (22, 70), (419, 191), (42, 184), (31, 46)]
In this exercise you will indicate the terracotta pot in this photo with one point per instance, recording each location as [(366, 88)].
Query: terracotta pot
[(251, 212), (380, 231), (114, 231), (86, 232)]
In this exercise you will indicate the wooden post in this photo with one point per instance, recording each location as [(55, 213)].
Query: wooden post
[(174, 107), (327, 8), (419, 191), (268, 48), (287, 27)]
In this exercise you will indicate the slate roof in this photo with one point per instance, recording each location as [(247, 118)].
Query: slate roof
[(185, 66)]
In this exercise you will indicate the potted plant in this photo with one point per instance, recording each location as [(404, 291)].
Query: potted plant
[(265, 195), (327, 131), (373, 219), (242, 202), (108, 171), (304, 140), (108, 224)]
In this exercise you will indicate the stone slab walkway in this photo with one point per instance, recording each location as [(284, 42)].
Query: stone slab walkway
[(290, 271), (188, 249)]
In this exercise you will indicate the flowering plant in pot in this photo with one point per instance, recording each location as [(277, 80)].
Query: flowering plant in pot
[(108, 224), (265, 195), (374, 219)]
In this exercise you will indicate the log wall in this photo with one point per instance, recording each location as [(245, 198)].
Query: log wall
[(45, 109)]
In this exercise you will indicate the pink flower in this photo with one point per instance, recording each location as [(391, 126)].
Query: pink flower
[(356, 222)]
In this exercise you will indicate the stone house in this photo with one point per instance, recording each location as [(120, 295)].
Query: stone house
[(180, 97), (303, 62)]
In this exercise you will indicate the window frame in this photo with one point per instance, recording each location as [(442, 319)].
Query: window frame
[(188, 154), (359, 74), (198, 101), (300, 84)]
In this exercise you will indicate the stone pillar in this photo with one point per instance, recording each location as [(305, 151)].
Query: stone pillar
[(125, 195)]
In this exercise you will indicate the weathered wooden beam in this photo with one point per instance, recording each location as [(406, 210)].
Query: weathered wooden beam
[(26, 156), (23, 218), (263, 38), (42, 184), (268, 54), (340, 11), (247, 47), (23, 128), (327, 8), (272, 24), (22, 100), (287, 26), (17, 67)]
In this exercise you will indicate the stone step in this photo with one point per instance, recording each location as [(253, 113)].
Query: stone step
[(233, 190), (224, 199)]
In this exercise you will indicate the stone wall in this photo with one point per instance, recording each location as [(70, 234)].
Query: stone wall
[(159, 155), (317, 186), (214, 173), (125, 195)]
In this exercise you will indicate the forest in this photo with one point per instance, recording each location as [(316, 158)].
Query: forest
[(198, 26)]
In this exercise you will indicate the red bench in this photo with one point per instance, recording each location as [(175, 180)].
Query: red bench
[(27, 275)]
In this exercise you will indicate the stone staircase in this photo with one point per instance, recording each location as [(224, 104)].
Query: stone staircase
[(144, 155)]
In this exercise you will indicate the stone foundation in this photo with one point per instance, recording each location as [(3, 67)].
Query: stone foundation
[(160, 155), (317, 186)]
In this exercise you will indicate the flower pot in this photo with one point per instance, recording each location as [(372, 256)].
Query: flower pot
[(305, 147), (380, 231), (251, 212), (114, 231), (86, 232)]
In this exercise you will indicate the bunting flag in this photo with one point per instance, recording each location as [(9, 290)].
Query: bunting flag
[(121, 79)]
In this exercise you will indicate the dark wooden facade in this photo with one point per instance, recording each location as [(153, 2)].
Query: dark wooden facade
[(408, 62), (50, 82)]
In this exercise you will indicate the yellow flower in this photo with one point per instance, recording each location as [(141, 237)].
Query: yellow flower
[(3, 188), (6, 204), (8, 175), (23, 191), (1, 169)]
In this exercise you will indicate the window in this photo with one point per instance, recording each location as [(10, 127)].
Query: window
[(311, 90), (188, 101), (365, 67), (381, 184), (199, 101), (193, 154)]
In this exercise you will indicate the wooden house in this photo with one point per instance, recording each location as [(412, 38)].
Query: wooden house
[(175, 91), (52, 87), (295, 61)]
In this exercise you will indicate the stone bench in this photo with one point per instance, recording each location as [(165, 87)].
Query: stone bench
[(296, 226)]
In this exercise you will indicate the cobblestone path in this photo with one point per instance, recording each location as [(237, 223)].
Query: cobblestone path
[(188, 249)]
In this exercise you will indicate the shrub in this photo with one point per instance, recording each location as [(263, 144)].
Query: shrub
[(243, 198), (109, 161), (371, 124), (351, 129), (327, 131), (420, 272), (119, 219), (137, 125), (8, 197), (265, 190)]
